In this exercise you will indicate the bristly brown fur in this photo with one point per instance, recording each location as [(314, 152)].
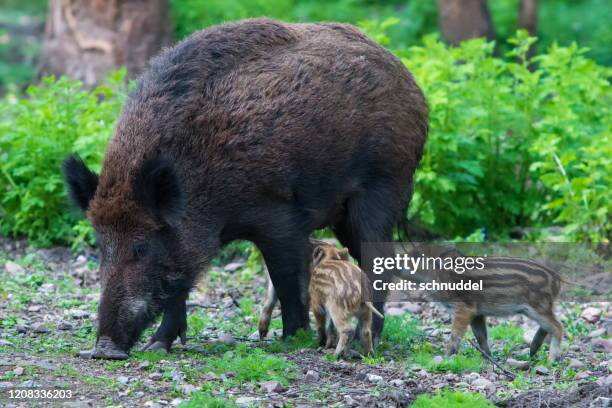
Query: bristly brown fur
[(268, 131)]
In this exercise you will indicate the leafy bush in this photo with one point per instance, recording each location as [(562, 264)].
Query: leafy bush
[(36, 133), (509, 146)]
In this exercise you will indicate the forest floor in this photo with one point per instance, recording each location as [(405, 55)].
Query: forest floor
[(48, 301)]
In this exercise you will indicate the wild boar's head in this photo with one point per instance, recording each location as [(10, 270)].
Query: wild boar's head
[(136, 216)]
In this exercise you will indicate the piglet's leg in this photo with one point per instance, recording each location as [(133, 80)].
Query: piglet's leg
[(479, 327), (462, 318), (266, 311), (173, 325)]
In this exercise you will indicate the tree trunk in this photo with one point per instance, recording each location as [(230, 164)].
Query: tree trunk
[(528, 19), (464, 19), (85, 39), (528, 16)]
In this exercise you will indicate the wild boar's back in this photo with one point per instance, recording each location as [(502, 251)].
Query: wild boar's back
[(272, 111)]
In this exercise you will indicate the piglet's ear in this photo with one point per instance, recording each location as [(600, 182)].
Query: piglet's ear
[(344, 254), (157, 188), (81, 181)]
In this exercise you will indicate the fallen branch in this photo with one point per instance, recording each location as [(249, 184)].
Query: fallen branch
[(504, 371)]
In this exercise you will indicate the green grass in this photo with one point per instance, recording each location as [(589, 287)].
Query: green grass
[(507, 331), (401, 330), (456, 399), (205, 399), (252, 365), (468, 360)]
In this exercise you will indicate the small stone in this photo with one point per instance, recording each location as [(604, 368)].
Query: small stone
[(63, 325), (13, 268), (188, 388), (350, 401), (394, 311), (542, 370), (175, 402), (34, 308), (232, 266), (374, 379), (144, 365), (230, 374), (254, 335), (47, 287), (19, 371), (6, 384), (20, 328), (155, 376), (583, 375), (271, 386), (28, 384), (139, 394), (312, 375), (81, 260), (39, 328), (397, 382), (605, 381), (604, 345), (246, 401), (597, 333), (484, 384), (591, 314), (437, 360), (528, 335), (226, 338), (412, 307), (575, 364), (518, 364), (79, 314), (601, 402), (123, 379), (471, 377)]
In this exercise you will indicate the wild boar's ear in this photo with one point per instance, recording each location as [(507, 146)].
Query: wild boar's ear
[(81, 181), (157, 188)]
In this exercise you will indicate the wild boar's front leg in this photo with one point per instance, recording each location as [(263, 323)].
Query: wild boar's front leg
[(173, 325), (288, 261)]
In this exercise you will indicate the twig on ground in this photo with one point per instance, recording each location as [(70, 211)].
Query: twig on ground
[(504, 371)]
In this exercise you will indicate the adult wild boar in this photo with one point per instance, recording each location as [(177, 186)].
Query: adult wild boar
[(256, 130)]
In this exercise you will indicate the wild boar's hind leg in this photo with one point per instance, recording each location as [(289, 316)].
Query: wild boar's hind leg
[(173, 325), (288, 260), (370, 217)]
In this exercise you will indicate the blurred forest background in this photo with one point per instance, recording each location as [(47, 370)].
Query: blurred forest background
[(521, 129)]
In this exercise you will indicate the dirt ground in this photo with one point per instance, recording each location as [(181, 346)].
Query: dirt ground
[(48, 302)]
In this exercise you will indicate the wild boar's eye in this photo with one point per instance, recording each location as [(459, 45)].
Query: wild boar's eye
[(140, 250)]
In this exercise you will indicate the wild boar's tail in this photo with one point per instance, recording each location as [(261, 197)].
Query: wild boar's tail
[(373, 309)]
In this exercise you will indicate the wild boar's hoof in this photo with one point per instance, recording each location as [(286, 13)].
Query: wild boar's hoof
[(155, 345), (106, 349)]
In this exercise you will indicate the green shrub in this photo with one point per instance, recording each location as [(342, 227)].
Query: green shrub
[(512, 147), (36, 133), (508, 146)]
